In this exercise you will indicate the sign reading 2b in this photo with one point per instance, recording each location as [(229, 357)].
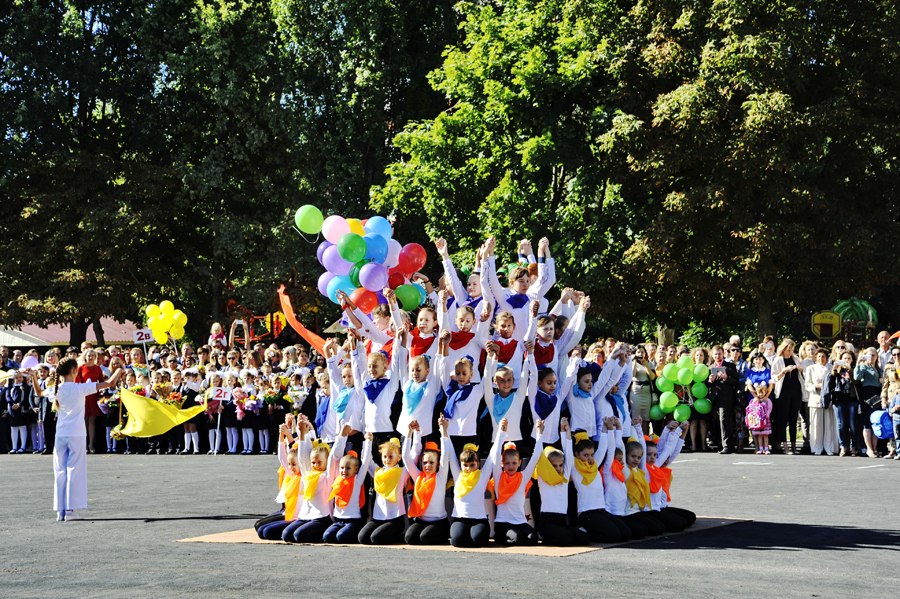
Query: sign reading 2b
[(143, 336)]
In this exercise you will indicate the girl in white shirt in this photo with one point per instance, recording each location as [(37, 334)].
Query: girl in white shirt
[(510, 524), (419, 386), (601, 526), (659, 456), (388, 513), (428, 523), (348, 493), (553, 472), (69, 450)]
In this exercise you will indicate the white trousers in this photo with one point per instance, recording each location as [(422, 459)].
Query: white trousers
[(70, 470), (823, 431)]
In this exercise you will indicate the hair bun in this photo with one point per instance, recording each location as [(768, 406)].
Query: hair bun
[(432, 446), (509, 445), (353, 453)]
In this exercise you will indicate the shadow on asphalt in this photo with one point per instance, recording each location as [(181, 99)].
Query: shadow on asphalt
[(775, 536), (222, 517)]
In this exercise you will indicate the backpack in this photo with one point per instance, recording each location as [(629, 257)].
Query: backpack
[(881, 424), (754, 417)]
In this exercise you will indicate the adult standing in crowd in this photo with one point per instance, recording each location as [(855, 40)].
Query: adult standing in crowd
[(867, 375), (787, 373), (884, 349), (822, 421), (841, 387), (642, 387), (723, 393), (699, 422), (891, 387)]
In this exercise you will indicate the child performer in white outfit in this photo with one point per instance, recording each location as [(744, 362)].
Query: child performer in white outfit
[(69, 451)]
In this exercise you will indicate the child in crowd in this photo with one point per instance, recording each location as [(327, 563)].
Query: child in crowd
[(428, 523), (418, 385), (229, 415), (388, 522), (349, 496), (465, 342), (759, 409), (463, 396), (503, 399), (510, 524)]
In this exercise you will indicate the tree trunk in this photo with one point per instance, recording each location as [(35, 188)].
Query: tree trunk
[(664, 335), (98, 332), (765, 319), (78, 331)]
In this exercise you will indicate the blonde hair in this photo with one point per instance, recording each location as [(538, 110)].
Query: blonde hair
[(785, 343), (321, 448), (465, 362), (392, 444), (504, 370), (378, 357), (505, 316), (465, 310), (421, 360)]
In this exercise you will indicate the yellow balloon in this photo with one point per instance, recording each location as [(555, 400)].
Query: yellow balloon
[(162, 339), (179, 318), (166, 307), (152, 310), (166, 321), (177, 332), (153, 322), (356, 226)]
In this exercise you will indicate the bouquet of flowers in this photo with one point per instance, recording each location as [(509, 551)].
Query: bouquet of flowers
[(114, 400), (162, 390), (173, 399), (103, 405), (116, 433), (270, 396), (239, 398), (140, 369), (212, 407), (251, 404), (138, 390)]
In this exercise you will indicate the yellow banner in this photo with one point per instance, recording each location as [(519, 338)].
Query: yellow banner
[(148, 417)]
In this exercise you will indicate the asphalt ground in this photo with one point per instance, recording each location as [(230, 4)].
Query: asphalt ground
[(822, 527)]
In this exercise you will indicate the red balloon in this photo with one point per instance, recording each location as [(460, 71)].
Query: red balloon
[(412, 258), (395, 279), (364, 299)]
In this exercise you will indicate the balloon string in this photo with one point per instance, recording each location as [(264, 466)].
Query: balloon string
[(304, 236)]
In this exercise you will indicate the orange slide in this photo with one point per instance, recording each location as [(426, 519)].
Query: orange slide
[(314, 340)]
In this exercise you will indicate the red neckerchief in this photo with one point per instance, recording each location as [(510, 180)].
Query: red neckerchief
[(420, 345), (507, 350), (387, 348), (460, 340), (543, 354)]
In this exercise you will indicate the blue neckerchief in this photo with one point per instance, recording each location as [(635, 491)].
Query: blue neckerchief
[(456, 394), (450, 301), (412, 395), (517, 300), (373, 388), (502, 404), (618, 404), (472, 302), (577, 392), (343, 398), (322, 413), (544, 404)]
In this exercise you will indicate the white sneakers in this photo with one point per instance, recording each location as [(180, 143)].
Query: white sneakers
[(72, 515), (60, 516)]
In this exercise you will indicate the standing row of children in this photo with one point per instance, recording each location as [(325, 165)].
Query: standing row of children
[(392, 409)]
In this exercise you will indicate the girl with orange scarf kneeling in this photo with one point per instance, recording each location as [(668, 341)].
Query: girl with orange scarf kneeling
[(388, 513), (511, 527), (428, 523), (470, 526)]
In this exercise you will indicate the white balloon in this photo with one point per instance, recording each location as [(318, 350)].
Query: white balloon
[(393, 257)]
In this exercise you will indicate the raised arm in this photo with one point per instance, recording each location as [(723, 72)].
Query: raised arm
[(538, 450), (456, 286), (575, 331), (496, 451), (412, 449)]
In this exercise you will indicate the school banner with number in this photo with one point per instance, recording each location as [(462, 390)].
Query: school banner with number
[(148, 417)]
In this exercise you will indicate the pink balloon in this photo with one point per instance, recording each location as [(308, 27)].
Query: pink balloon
[(334, 228), (393, 257)]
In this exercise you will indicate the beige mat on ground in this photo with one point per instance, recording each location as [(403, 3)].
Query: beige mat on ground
[(249, 536)]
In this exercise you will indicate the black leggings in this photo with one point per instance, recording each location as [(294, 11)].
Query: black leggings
[(470, 532), (642, 525), (421, 532), (672, 522), (514, 534), (273, 517), (688, 516), (787, 410), (603, 527), (555, 531), (382, 532)]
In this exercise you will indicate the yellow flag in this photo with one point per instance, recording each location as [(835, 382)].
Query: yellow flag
[(148, 417)]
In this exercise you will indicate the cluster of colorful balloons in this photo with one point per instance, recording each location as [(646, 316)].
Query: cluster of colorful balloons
[(361, 258), (165, 321), (693, 379)]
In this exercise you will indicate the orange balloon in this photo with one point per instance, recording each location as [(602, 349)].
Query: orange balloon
[(364, 299)]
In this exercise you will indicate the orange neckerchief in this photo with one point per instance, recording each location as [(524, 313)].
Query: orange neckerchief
[(638, 489), (422, 494), (342, 491), (617, 470), (508, 486), (660, 478)]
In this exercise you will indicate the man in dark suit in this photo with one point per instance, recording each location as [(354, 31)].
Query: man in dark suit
[(723, 392)]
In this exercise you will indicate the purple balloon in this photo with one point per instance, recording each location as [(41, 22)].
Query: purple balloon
[(324, 279), (321, 251), (373, 276), (332, 260), (381, 298)]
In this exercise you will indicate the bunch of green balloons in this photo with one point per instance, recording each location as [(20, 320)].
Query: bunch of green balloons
[(693, 378)]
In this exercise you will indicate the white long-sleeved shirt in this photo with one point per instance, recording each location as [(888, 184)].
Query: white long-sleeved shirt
[(514, 413), (353, 411), (464, 422), (377, 412), (329, 429), (436, 508), (609, 376), (566, 343), (592, 496), (472, 348), (551, 422), (319, 506), (471, 505), (616, 492), (512, 510), (537, 291), (424, 412), (555, 498), (666, 450), (368, 330), (629, 508), (352, 509), (388, 510)]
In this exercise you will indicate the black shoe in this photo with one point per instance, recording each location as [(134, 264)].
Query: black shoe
[(726, 451), (171, 452), (46, 452)]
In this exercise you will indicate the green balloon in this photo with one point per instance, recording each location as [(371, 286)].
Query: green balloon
[(670, 371), (656, 413), (352, 247), (701, 373), (703, 406), (685, 376), (354, 272), (668, 401), (699, 390), (664, 384), (309, 219), (408, 296), (684, 362), (682, 413)]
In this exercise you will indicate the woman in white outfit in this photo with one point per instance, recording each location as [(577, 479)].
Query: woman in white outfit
[(823, 433)]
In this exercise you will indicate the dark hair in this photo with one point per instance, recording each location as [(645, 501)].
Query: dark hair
[(64, 368), (583, 444), (544, 373)]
